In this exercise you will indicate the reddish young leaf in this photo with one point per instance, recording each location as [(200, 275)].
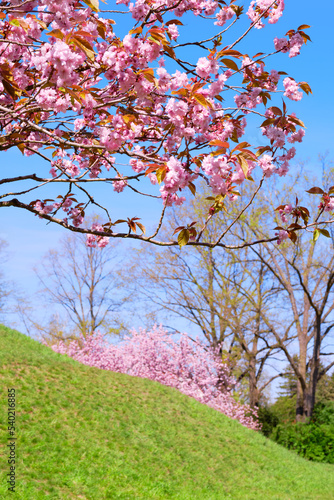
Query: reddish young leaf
[(316, 190)]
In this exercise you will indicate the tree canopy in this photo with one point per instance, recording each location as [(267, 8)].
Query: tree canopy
[(152, 112)]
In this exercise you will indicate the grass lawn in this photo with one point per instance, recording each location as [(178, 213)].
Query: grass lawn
[(84, 433)]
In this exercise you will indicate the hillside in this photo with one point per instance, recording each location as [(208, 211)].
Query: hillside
[(83, 433)]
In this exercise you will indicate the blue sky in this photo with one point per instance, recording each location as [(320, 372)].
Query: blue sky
[(30, 238)]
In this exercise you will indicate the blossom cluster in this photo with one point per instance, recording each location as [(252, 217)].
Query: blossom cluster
[(292, 90), (96, 241), (282, 235), (183, 364), (283, 212), (292, 46), (272, 10)]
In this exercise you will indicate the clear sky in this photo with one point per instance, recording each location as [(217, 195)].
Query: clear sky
[(30, 238)]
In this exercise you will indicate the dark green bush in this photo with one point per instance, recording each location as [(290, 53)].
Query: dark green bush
[(323, 413), (267, 419), (310, 440)]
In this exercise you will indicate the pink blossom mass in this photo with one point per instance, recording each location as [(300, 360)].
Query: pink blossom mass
[(133, 112), (185, 365)]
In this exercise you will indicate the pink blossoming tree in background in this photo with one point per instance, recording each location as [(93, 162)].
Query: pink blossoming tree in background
[(99, 107), (188, 366)]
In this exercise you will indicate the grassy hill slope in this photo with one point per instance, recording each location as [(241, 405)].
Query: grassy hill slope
[(85, 433)]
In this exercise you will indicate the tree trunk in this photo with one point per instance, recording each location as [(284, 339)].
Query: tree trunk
[(308, 403), (301, 387), (306, 397), (253, 389), (314, 368)]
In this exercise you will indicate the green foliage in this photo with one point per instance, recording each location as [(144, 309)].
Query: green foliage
[(93, 434), (268, 419), (285, 409), (314, 440), (288, 385), (323, 413), (325, 389)]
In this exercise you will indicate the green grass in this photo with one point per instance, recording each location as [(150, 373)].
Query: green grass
[(85, 433)]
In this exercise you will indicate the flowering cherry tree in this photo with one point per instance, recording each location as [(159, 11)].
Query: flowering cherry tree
[(98, 107), (184, 364)]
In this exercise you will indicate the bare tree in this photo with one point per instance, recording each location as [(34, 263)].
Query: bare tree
[(304, 273), (82, 283), (221, 294), (306, 276), (261, 302)]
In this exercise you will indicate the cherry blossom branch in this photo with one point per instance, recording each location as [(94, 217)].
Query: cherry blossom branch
[(16, 203), (252, 25)]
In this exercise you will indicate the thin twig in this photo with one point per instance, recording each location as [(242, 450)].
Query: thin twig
[(242, 211)]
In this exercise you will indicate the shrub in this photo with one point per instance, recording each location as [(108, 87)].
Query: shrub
[(310, 440), (268, 420), (323, 413)]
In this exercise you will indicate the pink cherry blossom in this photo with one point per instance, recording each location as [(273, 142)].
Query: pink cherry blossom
[(119, 185), (282, 235), (206, 66), (292, 89), (283, 212), (297, 136), (79, 91), (257, 7), (176, 110), (281, 44), (292, 46), (330, 206), (267, 165), (296, 42), (189, 367), (225, 14), (93, 240), (173, 31)]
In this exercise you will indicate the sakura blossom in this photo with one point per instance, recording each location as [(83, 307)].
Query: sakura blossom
[(176, 110), (119, 185), (189, 367), (173, 31), (282, 235), (100, 105), (267, 165), (292, 89), (205, 67), (283, 212), (93, 240), (274, 11), (225, 14), (297, 136)]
